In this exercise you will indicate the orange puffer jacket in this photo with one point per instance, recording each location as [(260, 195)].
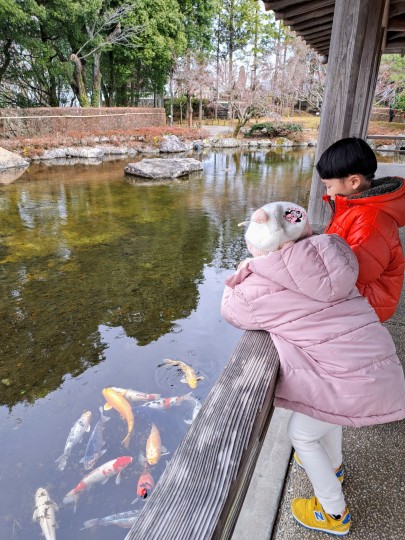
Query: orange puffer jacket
[(369, 223)]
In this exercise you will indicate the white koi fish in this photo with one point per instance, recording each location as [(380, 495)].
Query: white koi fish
[(94, 448), (80, 427), (44, 513), (197, 407), (101, 474), (190, 376), (134, 395), (165, 403), (124, 520)]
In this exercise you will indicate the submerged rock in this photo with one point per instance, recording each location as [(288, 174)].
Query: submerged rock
[(157, 168), (9, 160), (9, 175)]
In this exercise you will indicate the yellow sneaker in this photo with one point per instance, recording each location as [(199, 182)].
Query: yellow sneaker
[(340, 473), (310, 514)]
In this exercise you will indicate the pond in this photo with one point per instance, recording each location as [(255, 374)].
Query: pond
[(102, 279)]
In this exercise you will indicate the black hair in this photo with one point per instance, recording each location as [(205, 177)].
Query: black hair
[(345, 157)]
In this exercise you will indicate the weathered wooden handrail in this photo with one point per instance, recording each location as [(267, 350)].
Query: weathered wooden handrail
[(398, 137), (200, 494)]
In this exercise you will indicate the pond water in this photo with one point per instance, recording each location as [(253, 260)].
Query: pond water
[(102, 278)]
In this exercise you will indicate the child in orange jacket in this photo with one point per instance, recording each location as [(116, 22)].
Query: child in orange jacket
[(366, 212)]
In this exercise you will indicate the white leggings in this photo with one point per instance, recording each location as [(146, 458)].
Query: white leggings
[(319, 446)]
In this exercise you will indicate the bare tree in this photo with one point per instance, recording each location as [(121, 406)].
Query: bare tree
[(250, 100), (193, 77)]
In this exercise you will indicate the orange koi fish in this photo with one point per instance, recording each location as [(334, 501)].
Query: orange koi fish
[(120, 404), (154, 448), (190, 376)]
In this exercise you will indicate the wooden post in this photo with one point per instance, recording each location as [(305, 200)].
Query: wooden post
[(354, 59)]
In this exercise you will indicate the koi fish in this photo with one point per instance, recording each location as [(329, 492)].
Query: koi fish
[(145, 484), (154, 448), (80, 427), (44, 513), (190, 376), (101, 474), (120, 404), (124, 520), (165, 403), (197, 407), (94, 448), (134, 395)]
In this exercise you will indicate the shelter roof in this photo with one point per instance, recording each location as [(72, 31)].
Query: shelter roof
[(312, 20)]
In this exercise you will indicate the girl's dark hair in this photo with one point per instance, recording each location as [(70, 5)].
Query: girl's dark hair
[(347, 156)]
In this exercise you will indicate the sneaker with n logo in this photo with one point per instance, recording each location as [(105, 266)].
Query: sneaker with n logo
[(310, 514)]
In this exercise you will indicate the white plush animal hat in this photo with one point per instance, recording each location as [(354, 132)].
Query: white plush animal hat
[(275, 224)]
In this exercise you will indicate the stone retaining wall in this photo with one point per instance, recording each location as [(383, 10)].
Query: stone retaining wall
[(39, 122), (382, 114)]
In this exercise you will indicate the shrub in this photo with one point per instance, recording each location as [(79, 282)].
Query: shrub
[(273, 129)]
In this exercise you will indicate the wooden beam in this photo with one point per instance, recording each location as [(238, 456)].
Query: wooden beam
[(326, 20), (313, 35), (398, 9), (278, 5), (316, 14), (201, 491), (354, 56), (396, 23), (395, 44), (321, 41), (306, 7)]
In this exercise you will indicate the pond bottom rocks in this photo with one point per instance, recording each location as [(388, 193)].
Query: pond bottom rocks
[(159, 168)]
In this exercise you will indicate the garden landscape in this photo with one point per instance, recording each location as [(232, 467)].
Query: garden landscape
[(134, 138)]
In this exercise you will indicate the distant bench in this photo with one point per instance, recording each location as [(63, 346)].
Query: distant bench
[(200, 494)]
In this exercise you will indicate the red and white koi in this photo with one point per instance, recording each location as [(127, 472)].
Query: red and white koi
[(190, 376), (165, 403), (145, 484), (80, 427), (134, 395), (101, 474), (44, 513)]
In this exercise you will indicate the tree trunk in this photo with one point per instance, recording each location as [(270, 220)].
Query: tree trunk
[(200, 109), (96, 95), (78, 76), (53, 91), (171, 98), (7, 57), (230, 67)]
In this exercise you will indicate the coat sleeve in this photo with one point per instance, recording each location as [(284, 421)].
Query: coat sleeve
[(371, 245), (236, 310)]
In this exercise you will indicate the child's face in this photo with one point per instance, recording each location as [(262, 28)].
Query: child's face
[(350, 185)]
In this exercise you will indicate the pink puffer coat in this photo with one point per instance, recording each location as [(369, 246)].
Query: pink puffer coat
[(337, 362)]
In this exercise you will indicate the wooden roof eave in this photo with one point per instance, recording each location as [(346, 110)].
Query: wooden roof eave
[(313, 19)]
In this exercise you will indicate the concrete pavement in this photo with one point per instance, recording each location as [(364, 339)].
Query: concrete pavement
[(374, 458)]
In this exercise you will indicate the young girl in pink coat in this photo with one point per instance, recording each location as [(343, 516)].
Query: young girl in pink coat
[(338, 364)]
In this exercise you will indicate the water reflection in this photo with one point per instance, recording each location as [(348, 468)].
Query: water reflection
[(101, 280)]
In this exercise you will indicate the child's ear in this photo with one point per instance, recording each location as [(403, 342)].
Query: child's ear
[(356, 181)]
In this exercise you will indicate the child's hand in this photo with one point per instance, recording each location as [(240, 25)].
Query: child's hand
[(244, 263)]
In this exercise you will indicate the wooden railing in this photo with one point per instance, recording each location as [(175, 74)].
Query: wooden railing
[(200, 494)]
